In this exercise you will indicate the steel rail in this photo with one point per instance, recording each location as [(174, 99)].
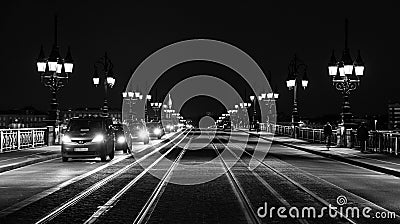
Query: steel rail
[(57, 211), (241, 195), (114, 200)]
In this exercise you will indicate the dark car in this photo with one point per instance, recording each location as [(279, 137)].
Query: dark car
[(155, 129), (88, 137), (121, 143), (138, 132)]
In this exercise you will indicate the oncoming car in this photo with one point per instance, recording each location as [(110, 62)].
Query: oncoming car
[(138, 132), (121, 141), (155, 129), (88, 137)]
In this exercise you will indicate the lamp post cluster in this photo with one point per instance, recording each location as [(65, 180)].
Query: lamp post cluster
[(253, 115), (270, 100), (132, 98), (234, 116), (105, 78), (156, 107), (54, 73), (346, 75), (297, 76)]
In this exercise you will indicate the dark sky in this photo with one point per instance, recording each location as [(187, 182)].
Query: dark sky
[(270, 34)]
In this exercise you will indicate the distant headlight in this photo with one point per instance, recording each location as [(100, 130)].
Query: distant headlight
[(98, 138), (169, 127), (157, 131), (66, 139), (121, 139), (142, 134)]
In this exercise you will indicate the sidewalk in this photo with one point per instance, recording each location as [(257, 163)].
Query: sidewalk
[(16, 159), (379, 162)]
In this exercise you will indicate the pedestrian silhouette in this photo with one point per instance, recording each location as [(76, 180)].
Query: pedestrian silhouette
[(328, 134), (362, 136)]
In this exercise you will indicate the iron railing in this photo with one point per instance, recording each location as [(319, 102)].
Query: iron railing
[(14, 139), (378, 141)]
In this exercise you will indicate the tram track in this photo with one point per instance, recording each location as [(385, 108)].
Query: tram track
[(341, 217), (77, 207), (55, 201)]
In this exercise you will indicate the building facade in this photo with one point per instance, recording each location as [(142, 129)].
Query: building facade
[(85, 112), (22, 118), (394, 116)]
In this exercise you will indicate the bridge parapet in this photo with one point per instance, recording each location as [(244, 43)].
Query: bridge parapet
[(378, 141), (15, 139)]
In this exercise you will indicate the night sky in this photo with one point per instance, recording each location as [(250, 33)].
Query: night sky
[(270, 34)]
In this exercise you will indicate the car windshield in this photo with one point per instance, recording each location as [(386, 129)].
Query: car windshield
[(118, 127), (136, 125), (84, 125), (153, 124)]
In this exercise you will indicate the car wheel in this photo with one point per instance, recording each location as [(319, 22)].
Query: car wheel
[(125, 150), (111, 155), (146, 141), (159, 137), (103, 158), (65, 159)]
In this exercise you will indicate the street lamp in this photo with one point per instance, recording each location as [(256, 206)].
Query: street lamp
[(132, 97), (54, 73), (253, 121), (243, 107), (297, 73), (270, 100), (156, 107), (106, 79), (346, 75)]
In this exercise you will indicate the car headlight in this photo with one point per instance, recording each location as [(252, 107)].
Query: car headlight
[(98, 138), (121, 139), (66, 139), (142, 134), (169, 127), (157, 131)]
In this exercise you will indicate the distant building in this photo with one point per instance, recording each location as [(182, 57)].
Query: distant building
[(22, 118), (394, 116), (66, 115)]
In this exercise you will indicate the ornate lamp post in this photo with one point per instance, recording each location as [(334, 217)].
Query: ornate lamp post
[(346, 75), (54, 73), (270, 100), (132, 97), (297, 73), (156, 107), (148, 98), (243, 107), (233, 116), (106, 79), (253, 116)]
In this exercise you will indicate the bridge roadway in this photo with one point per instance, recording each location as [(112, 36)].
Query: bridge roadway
[(195, 176)]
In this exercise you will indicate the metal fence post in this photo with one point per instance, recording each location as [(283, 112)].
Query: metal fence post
[(33, 138), (18, 139), (1, 141)]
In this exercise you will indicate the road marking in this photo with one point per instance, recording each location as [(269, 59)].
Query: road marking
[(45, 193), (113, 201), (239, 192), (57, 211)]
